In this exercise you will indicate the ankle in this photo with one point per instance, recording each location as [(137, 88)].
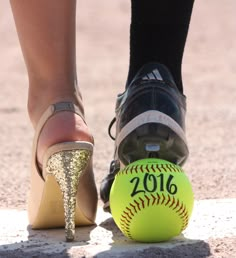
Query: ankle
[(40, 98)]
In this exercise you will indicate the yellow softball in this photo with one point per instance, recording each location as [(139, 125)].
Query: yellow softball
[(151, 200)]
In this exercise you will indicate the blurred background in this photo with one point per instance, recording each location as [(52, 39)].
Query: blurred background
[(209, 73)]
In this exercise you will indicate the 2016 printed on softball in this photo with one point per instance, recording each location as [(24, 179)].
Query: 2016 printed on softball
[(152, 183)]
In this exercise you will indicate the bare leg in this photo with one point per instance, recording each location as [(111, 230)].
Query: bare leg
[(46, 31)]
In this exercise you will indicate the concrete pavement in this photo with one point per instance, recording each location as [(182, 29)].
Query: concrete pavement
[(211, 219)]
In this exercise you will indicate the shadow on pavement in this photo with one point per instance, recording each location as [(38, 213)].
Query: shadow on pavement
[(103, 240), (177, 247), (46, 243)]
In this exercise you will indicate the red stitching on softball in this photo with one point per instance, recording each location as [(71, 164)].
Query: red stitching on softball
[(158, 168), (179, 208), (179, 169), (185, 216), (153, 169), (130, 211), (122, 220), (124, 171), (163, 198), (125, 217), (173, 202), (177, 204), (167, 165), (182, 211), (131, 169), (185, 213), (125, 225), (158, 198), (148, 200), (168, 200), (141, 168), (127, 214), (142, 201), (154, 199), (133, 207), (163, 167), (173, 167), (137, 204), (185, 219)]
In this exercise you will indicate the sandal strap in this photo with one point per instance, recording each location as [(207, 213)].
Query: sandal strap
[(55, 108), (50, 111)]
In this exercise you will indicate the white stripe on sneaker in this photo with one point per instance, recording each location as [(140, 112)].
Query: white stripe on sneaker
[(157, 75), (151, 116)]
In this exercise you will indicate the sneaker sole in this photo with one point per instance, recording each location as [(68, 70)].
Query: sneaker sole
[(152, 134)]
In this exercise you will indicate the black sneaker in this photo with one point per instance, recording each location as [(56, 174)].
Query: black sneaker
[(150, 122)]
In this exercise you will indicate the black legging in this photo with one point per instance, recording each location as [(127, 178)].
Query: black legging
[(158, 33)]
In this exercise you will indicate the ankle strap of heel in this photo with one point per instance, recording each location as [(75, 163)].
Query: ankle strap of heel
[(50, 111)]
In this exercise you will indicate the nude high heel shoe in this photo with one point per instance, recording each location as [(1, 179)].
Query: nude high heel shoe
[(63, 192)]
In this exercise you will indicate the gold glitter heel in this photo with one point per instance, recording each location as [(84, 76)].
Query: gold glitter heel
[(67, 166), (63, 192)]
